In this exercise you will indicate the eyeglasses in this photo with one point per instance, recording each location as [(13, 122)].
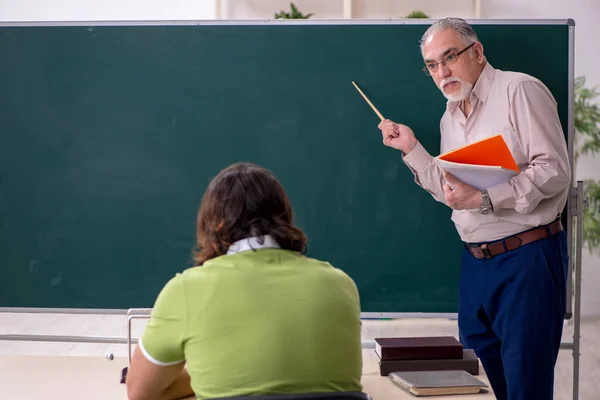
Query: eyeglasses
[(448, 59)]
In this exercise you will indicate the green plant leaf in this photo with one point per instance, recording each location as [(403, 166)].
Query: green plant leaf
[(294, 14), (417, 14), (586, 119), (591, 217), (586, 122)]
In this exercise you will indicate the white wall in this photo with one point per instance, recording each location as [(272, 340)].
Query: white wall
[(263, 9), (327, 9), (584, 12), (400, 9), (105, 10)]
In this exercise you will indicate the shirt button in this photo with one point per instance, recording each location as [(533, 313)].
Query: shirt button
[(469, 136)]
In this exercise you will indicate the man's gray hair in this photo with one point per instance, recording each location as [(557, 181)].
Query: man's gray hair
[(462, 28)]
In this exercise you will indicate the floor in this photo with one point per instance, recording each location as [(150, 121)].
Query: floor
[(116, 326)]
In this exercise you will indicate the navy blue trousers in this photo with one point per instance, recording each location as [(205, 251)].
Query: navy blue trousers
[(511, 311)]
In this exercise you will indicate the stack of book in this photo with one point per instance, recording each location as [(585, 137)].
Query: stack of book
[(436, 353)]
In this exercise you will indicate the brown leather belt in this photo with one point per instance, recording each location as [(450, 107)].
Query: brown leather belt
[(489, 250)]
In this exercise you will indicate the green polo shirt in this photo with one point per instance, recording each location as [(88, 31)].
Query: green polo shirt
[(262, 321)]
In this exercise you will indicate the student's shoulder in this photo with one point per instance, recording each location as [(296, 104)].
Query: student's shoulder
[(327, 269), (197, 273), (214, 269), (185, 276)]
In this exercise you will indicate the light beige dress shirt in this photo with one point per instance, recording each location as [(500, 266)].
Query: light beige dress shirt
[(523, 110)]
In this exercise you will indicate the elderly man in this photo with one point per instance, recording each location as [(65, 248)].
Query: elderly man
[(514, 265)]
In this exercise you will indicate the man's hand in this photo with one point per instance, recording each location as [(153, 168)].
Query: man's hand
[(397, 136), (460, 196)]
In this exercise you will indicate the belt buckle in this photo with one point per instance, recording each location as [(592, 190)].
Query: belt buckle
[(486, 252)]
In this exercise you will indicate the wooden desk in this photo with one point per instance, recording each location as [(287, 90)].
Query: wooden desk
[(96, 378)]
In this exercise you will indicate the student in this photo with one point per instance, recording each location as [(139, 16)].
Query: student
[(255, 316), (514, 265)]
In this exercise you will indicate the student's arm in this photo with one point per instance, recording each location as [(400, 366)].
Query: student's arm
[(157, 367), (146, 380)]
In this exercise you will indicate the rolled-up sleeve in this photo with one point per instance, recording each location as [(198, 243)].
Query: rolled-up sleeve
[(535, 120)]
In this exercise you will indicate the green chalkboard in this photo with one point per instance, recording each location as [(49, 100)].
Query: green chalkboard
[(110, 134)]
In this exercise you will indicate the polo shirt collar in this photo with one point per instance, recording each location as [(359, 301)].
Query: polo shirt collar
[(253, 243)]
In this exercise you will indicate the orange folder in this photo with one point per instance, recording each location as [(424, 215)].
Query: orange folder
[(491, 151)]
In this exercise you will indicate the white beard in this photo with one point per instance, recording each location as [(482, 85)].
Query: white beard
[(462, 94)]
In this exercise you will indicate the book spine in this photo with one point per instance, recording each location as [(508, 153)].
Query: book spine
[(400, 381), (399, 353), (470, 366)]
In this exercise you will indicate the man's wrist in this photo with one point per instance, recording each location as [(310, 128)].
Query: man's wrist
[(411, 146), (486, 203)]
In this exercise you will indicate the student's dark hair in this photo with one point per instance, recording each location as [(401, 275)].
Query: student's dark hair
[(244, 200)]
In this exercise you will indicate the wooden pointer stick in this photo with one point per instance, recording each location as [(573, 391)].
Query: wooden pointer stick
[(368, 101)]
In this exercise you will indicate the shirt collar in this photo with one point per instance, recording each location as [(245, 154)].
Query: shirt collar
[(482, 87), (253, 243), (484, 83)]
